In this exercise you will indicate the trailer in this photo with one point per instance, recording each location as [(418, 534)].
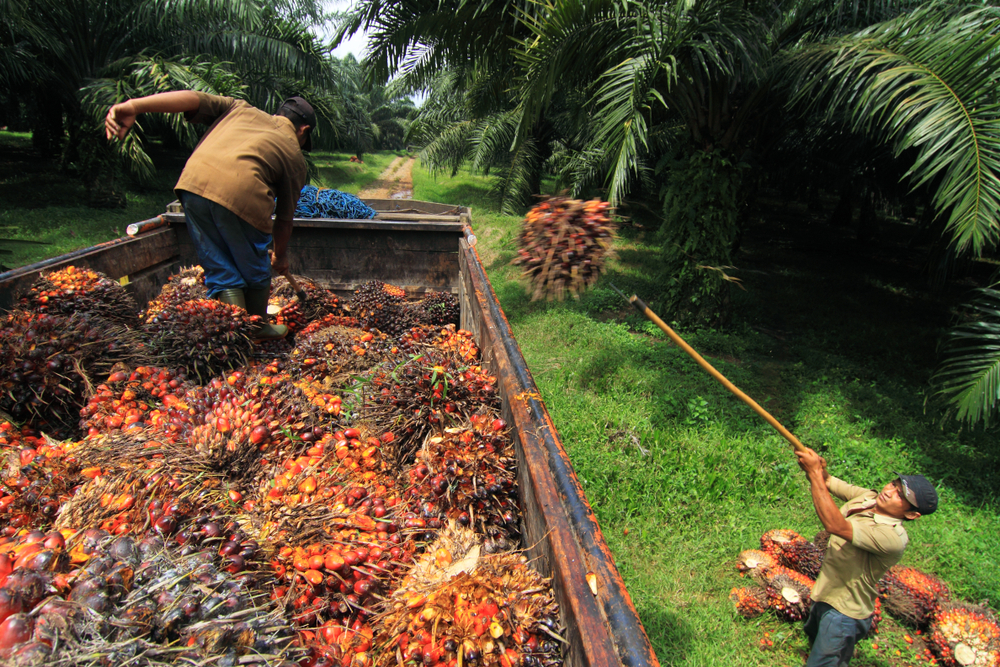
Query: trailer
[(426, 246)]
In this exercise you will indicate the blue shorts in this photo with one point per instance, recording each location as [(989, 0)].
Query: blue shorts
[(833, 636), (232, 251)]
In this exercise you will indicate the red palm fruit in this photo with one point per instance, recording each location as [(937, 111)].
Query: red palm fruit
[(772, 540), (750, 601), (788, 597), (911, 595), (16, 629), (801, 556), (962, 635)]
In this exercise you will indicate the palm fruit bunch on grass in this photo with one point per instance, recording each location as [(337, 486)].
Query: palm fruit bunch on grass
[(80, 290), (458, 606), (296, 314), (439, 309), (187, 285), (750, 601), (36, 479), (753, 561), (911, 595), (48, 363), (793, 551), (821, 540), (89, 598), (564, 245), (379, 305), (204, 337), (964, 635), (788, 596), (466, 475)]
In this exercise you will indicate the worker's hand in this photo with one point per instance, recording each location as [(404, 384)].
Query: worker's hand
[(812, 463), (279, 263), (119, 120)]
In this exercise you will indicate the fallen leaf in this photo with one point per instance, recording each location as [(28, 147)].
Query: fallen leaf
[(592, 580)]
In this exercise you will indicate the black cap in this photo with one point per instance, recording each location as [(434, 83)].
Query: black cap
[(303, 110), (920, 493)]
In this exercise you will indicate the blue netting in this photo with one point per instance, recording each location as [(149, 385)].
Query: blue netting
[(328, 203)]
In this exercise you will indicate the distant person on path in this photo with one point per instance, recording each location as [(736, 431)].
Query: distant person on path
[(866, 539), (246, 160)]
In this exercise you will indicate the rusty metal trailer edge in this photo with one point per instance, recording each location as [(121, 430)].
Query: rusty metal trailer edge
[(561, 532)]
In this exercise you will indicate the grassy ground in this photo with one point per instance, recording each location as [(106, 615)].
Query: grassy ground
[(834, 338)]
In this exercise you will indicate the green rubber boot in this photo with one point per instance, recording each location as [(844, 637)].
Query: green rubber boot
[(256, 300), (234, 297)]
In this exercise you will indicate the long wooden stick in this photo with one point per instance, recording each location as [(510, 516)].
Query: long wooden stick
[(645, 310)]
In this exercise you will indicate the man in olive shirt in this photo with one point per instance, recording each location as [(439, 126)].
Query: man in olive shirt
[(246, 160), (866, 539)]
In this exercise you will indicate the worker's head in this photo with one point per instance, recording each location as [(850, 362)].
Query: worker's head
[(303, 118), (907, 497)]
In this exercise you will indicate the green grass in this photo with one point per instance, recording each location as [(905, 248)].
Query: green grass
[(836, 342)]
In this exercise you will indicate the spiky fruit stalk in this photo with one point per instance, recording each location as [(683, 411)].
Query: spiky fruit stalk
[(911, 595), (750, 601), (965, 635)]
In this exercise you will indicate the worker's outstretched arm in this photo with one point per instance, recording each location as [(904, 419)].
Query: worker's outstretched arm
[(121, 116), (281, 233), (815, 467)]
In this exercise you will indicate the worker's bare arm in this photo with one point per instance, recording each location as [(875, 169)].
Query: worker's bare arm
[(122, 116), (829, 515), (282, 232)]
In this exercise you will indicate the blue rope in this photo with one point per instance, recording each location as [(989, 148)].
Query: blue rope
[(328, 203)]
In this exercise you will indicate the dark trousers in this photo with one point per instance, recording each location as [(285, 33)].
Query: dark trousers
[(833, 636)]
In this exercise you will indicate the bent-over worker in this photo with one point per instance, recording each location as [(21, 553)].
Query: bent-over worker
[(246, 160), (867, 537)]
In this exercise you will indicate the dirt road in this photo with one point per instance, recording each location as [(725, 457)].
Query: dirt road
[(396, 182)]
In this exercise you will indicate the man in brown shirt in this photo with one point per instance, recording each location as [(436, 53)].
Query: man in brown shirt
[(248, 165), (866, 539)]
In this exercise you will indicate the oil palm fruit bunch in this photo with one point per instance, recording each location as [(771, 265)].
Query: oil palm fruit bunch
[(297, 314), (765, 576), (330, 321), (204, 336), (379, 305), (187, 285), (788, 597), (47, 363), (335, 351), (750, 601), (81, 290), (911, 595), (127, 399), (466, 475), (564, 245), (801, 556), (964, 635), (459, 606), (439, 309), (751, 561), (35, 479), (772, 541), (821, 540)]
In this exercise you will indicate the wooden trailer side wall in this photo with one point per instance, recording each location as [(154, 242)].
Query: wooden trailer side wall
[(560, 529)]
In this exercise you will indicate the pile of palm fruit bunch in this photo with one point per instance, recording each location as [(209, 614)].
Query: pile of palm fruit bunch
[(784, 571), (912, 596), (564, 245), (73, 290), (349, 502), (963, 635), (381, 306)]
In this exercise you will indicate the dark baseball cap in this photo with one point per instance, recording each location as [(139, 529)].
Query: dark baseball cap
[(303, 110), (920, 493)]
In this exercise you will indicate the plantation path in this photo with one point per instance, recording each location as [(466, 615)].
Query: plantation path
[(396, 182)]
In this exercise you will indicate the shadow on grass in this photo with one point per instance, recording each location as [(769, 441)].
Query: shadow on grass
[(671, 636)]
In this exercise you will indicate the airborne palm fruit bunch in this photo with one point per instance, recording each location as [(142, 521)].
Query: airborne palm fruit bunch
[(206, 337), (750, 601), (966, 636), (48, 362), (80, 290), (911, 595), (564, 245)]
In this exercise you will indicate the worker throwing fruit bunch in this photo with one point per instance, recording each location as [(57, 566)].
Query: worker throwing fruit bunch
[(867, 537), (246, 160)]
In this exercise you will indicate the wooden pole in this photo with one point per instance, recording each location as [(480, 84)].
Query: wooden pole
[(645, 310)]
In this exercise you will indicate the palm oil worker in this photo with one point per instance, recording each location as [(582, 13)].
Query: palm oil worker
[(246, 160), (867, 537)]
